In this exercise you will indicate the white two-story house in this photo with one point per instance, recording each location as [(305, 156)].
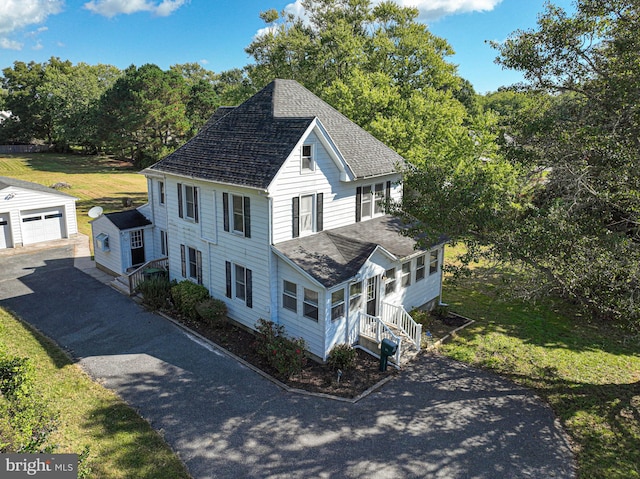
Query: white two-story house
[(277, 207)]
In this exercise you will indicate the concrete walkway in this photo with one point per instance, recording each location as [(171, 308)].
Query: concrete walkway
[(438, 419)]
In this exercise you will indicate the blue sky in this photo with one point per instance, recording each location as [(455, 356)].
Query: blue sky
[(215, 32)]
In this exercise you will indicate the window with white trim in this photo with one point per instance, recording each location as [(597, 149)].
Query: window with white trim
[(420, 268), (370, 200), (337, 305), (188, 202), (307, 163), (237, 214), (164, 243), (306, 214), (239, 283), (290, 296), (310, 304), (433, 262), (355, 296), (137, 240), (390, 281), (406, 274), (161, 192), (191, 260)]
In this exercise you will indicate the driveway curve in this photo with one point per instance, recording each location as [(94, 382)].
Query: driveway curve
[(438, 419)]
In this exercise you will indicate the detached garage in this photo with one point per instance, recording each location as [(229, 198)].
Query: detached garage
[(32, 213)]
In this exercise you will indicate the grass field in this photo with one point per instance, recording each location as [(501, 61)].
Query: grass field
[(588, 372), (122, 445), (94, 180)]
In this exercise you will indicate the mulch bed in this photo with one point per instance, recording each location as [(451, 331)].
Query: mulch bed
[(315, 377)]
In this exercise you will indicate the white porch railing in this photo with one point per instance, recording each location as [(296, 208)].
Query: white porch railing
[(134, 278), (373, 327), (398, 317)]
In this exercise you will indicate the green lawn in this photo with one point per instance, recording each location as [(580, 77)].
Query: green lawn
[(94, 180), (587, 371), (122, 444)]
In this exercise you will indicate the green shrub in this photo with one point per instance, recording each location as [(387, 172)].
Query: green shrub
[(440, 312), (186, 296), (285, 355), (212, 311), (26, 422), (342, 356), (420, 316), (156, 292)]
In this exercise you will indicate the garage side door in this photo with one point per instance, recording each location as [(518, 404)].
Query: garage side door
[(42, 225), (5, 231)]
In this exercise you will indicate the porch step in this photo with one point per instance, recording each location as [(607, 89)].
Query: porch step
[(119, 285)]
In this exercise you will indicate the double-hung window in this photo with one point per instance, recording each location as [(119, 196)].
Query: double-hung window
[(337, 305), (161, 192), (191, 260), (164, 243), (188, 202), (307, 164), (310, 304), (355, 296), (390, 281), (371, 199), (239, 283), (406, 274), (237, 214), (433, 262), (420, 268), (307, 214), (290, 296)]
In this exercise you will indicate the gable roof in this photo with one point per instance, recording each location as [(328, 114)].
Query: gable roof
[(6, 182), (332, 257), (247, 145), (125, 220)]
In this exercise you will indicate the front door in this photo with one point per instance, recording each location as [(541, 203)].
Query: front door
[(137, 247), (372, 296)]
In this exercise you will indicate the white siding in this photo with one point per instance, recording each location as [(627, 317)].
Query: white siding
[(218, 246), (112, 259), (339, 196), (23, 199), (296, 324)]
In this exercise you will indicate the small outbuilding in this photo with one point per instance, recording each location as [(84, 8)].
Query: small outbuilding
[(33, 213), (121, 241)]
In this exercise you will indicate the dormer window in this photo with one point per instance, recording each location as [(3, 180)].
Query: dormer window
[(307, 164)]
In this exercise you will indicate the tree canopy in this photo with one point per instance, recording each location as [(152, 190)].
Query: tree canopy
[(580, 232)]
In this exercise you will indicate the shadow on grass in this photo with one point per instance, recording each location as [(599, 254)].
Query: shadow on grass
[(134, 447)]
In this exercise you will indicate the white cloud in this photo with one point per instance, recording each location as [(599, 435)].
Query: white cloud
[(429, 9), (18, 14), (111, 8), (7, 44)]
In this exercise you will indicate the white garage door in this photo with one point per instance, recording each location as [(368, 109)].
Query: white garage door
[(5, 231), (42, 225)]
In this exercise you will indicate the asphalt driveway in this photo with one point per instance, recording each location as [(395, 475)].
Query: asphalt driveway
[(438, 419)]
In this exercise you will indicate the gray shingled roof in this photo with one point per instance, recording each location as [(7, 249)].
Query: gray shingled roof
[(6, 182), (248, 144), (125, 220), (332, 257)]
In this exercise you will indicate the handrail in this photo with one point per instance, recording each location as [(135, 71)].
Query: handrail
[(375, 328), (136, 276), (399, 317)]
